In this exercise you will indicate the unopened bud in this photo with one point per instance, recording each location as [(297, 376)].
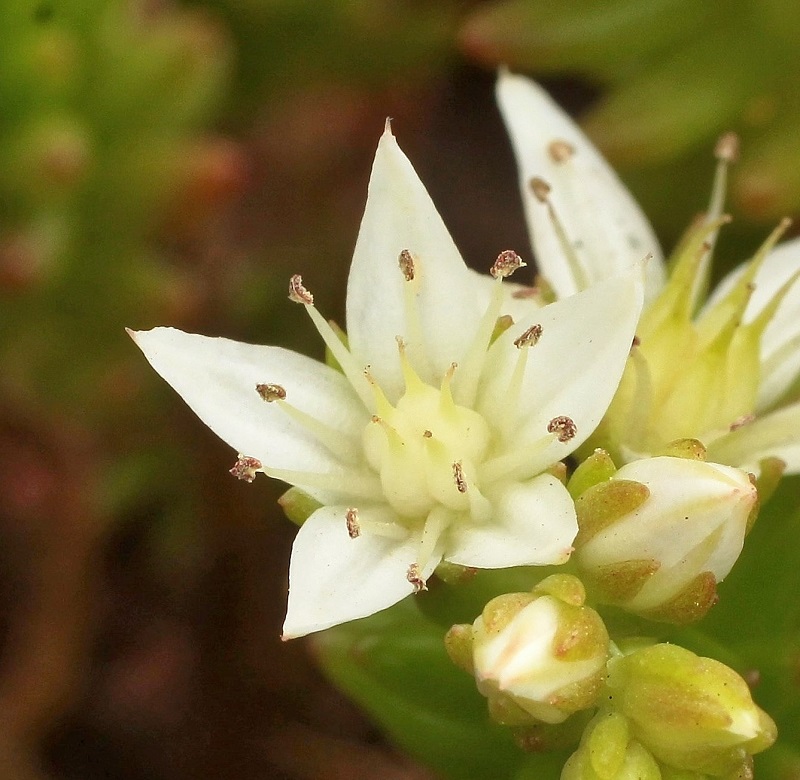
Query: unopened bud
[(693, 714), (607, 752), (659, 535), (537, 656)]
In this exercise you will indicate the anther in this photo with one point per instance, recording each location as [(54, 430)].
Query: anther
[(353, 528), (540, 188), (458, 477), (245, 468), (727, 148), (426, 434), (529, 337), (560, 151), (563, 426), (740, 422), (636, 342), (414, 576), (271, 392), (507, 262), (298, 293), (406, 263)]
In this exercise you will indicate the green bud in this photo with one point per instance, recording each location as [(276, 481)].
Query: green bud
[(658, 536), (693, 714), (607, 752), (537, 656)]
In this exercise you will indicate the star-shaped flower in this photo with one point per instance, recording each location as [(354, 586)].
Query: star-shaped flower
[(723, 371), (434, 440)]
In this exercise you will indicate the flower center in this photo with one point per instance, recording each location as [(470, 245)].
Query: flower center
[(426, 450)]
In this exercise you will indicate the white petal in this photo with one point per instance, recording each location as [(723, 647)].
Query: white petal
[(400, 215), (333, 578), (533, 524), (605, 226), (217, 378), (776, 434), (573, 371)]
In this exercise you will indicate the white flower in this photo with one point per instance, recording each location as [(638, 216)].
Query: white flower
[(726, 376), (434, 440)]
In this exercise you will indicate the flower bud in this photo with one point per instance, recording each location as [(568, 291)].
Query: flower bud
[(608, 752), (536, 656), (657, 537), (693, 714)]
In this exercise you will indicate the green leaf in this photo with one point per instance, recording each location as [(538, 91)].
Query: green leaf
[(394, 665)]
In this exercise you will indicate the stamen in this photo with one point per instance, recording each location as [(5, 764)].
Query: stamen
[(740, 422), (406, 262), (245, 468), (353, 528), (298, 293), (333, 439), (507, 262), (530, 337), (466, 386), (410, 270), (343, 356), (515, 465), (564, 427), (415, 578), (540, 188), (560, 151), (426, 434), (541, 191), (350, 482), (727, 152), (437, 521), (458, 477), (271, 392), (513, 392)]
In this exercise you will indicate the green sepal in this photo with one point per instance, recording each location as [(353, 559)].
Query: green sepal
[(597, 468), (297, 505)]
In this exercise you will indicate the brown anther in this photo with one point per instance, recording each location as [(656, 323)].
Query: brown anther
[(375, 418), (507, 262), (540, 188), (406, 263), (636, 342), (740, 422), (245, 468), (426, 434), (298, 293), (563, 426), (458, 477), (727, 148), (353, 528), (560, 151), (529, 337), (271, 392), (414, 576)]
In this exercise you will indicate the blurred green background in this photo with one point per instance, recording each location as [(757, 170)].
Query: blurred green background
[(174, 163)]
